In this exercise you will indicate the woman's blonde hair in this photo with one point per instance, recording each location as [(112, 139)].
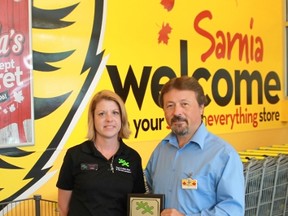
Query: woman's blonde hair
[(112, 96)]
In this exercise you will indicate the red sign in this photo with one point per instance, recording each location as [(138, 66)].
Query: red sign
[(16, 116)]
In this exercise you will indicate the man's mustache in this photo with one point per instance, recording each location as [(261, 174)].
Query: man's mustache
[(178, 118)]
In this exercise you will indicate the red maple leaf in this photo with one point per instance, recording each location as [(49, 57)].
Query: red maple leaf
[(163, 33), (168, 4)]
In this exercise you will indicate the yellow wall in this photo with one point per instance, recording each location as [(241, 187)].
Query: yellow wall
[(144, 40)]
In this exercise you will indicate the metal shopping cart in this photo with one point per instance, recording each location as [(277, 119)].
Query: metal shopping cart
[(266, 186)]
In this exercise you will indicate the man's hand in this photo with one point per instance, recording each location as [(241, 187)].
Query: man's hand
[(171, 212)]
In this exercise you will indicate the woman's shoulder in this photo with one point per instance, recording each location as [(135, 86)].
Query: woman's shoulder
[(129, 150), (80, 147)]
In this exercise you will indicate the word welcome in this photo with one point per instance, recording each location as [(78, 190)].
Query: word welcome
[(268, 86)]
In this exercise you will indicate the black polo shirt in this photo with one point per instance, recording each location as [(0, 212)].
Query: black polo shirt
[(97, 189)]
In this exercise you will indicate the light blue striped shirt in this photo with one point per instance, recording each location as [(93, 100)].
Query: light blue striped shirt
[(206, 158)]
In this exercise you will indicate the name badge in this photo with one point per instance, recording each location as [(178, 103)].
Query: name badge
[(89, 166), (189, 183)]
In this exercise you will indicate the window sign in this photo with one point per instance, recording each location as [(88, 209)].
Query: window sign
[(16, 101)]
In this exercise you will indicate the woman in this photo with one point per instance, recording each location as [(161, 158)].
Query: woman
[(97, 175)]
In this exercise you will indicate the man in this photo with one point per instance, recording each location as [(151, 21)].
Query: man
[(198, 172)]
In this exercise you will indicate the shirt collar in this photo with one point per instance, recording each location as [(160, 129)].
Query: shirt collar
[(198, 138), (89, 148)]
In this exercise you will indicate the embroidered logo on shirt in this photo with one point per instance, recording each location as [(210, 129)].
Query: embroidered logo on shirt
[(123, 162), (125, 166)]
